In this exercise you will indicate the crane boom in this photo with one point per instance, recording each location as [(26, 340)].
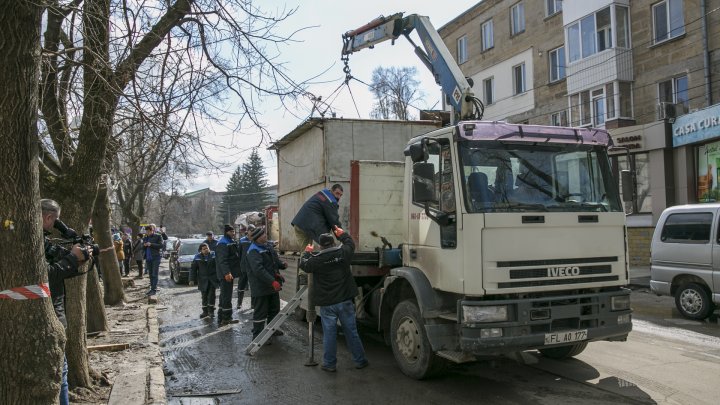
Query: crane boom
[(435, 56)]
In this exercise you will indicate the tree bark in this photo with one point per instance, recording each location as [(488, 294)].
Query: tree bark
[(76, 348), (95, 316), (112, 281), (31, 337)]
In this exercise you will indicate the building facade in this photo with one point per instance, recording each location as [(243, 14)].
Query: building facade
[(642, 69)]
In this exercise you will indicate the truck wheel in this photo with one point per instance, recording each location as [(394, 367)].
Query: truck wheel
[(693, 301), (410, 344), (564, 352)]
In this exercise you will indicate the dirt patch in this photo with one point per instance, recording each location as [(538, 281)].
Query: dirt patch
[(127, 325)]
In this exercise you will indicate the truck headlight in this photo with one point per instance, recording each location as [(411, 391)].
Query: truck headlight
[(620, 303), (484, 313)]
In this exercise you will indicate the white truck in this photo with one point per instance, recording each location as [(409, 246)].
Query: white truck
[(490, 238)]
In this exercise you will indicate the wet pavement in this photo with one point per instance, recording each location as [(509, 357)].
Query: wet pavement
[(206, 364)]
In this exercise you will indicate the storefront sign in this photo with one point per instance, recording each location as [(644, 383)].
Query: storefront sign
[(697, 126), (629, 141)]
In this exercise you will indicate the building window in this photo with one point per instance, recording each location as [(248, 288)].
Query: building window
[(519, 79), (668, 20), (517, 19), (553, 7), (489, 91), (557, 64), (598, 107), (674, 91), (559, 119), (625, 99), (487, 35), (597, 32), (462, 55)]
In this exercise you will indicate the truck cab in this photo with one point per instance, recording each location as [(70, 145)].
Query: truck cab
[(515, 240)]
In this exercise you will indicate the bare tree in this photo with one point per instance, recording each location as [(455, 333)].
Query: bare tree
[(99, 55), (394, 89)]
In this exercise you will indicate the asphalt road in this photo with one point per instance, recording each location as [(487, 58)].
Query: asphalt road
[(666, 360)]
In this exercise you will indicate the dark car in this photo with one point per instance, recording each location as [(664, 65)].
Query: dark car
[(169, 246), (182, 257)]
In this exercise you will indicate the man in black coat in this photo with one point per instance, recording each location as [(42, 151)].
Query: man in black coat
[(227, 262), (318, 215), (210, 240), (61, 265), (153, 242), (204, 273), (334, 292), (265, 279)]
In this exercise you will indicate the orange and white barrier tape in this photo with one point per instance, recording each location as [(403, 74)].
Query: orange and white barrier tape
[(28, 292)]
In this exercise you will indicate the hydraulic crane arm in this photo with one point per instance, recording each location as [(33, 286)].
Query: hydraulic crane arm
[(435, 56)]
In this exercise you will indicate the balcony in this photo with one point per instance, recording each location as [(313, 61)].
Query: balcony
[(600, 68)]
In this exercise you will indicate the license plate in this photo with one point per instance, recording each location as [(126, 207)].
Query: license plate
[(565, 337)]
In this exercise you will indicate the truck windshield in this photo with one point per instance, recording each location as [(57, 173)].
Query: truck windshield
[(512, 177)]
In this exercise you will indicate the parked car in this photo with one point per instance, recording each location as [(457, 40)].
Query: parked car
[(182, 257), (685, 258), (169, 246)]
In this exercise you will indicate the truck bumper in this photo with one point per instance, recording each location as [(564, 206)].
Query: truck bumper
[(533, 322)]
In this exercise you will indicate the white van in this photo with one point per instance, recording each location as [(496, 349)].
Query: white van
[(685, 258)]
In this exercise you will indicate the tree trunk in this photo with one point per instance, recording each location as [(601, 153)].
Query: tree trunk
[(31, 337), (112, 281), (95, 316), (76, 348)]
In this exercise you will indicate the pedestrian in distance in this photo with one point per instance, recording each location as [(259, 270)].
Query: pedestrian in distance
[(227, 262), (153, 243), (210, 240), (318, 215), (119, 251), (138, 252), (334, 292), (61, 264), (203, 272), (265, 281), (127, 252)]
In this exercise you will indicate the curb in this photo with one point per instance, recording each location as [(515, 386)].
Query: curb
[(156, 377)]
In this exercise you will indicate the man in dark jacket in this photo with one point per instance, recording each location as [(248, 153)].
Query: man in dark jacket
[(227, 262), (61, 265), (210, 240), (127, 250), (265, 280), (153, 243), (244, 242), (334, 292), (318, 215), (204, 273)]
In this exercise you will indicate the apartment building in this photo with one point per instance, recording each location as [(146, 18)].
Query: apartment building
[(642, 69)]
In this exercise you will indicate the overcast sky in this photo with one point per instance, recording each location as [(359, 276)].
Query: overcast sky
[(320, 51)]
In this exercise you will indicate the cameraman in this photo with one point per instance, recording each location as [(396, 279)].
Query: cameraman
[(61, 265)]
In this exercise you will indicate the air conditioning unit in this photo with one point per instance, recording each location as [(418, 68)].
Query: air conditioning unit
[(670, 111)]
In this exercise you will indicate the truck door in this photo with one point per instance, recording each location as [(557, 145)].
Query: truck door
[(433, 246)]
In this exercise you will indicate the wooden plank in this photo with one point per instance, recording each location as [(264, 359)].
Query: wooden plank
[(114, 347)]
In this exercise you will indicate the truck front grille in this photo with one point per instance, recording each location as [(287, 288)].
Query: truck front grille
[(557, 272)]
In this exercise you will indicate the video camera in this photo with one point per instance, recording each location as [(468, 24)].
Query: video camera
[(86, 242)]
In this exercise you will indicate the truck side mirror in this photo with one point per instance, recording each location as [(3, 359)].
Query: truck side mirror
[(628, 188), (423, 184), (418, 152)]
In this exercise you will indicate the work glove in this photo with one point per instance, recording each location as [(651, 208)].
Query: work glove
[(338, 231), (309, 248), (276, 286), (279, 277), (229, 278)]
